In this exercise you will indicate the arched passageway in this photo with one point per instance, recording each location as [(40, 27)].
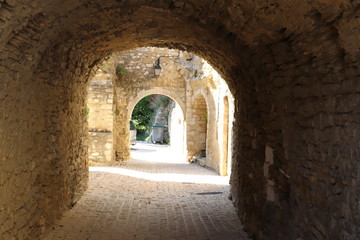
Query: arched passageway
[(292, 67), (162, 119), (177, 116), (183, 76)]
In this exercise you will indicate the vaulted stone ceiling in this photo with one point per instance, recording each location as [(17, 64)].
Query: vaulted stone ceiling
[(217, 30), (292, 66)]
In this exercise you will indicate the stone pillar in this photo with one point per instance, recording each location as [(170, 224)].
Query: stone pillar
[(121, 124)]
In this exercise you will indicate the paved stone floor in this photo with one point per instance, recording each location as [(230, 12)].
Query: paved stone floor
[(153, 196)]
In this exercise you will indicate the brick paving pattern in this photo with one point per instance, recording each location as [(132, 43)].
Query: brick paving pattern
[(148, 200)]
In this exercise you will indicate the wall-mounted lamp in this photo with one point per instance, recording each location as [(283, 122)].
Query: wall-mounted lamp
[(157, 68)]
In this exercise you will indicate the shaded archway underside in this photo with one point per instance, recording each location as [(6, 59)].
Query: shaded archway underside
[(278, 58)]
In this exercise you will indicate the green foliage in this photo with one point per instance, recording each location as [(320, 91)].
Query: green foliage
[(144, 113), (138, 126), (143, 117), (167, 140), (121, 70), (141, 134), (86, 111)]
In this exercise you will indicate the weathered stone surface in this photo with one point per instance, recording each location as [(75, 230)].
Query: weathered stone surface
[(278, 57), (184, 77), (100, 148)]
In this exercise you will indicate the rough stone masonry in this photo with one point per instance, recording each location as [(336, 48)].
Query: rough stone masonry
[(128, 76), (292, 67)]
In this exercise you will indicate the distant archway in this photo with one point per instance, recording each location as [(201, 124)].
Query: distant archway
[(156, 90), (176, 121)]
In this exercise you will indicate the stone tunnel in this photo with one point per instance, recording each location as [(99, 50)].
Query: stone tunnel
[(292, 67)]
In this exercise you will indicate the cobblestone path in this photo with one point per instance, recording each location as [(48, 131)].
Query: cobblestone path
[(148, 200)]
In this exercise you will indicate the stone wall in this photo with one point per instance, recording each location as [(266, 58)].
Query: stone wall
[(138, 79), (100, 105), (292, 67), (100, 148), (314, 167), (43, 155), (205, 119), (197, 126), (100, 116), (185, 78)]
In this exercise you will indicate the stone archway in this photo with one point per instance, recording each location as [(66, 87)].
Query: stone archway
[(179, 144), (202, 110), (156, 90), (292, 67), (184, 75)]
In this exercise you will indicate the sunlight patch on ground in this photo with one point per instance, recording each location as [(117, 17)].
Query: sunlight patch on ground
[(160, 156), (157, 153), (164, 177)]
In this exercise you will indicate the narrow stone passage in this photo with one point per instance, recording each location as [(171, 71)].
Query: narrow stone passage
[(158, 199)]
